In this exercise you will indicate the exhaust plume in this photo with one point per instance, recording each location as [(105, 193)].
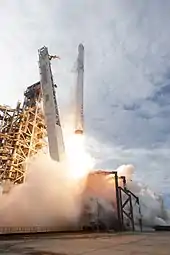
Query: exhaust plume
[(47, 198), (55, 194)]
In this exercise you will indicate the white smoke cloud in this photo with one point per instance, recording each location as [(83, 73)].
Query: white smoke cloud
[(103, 204), (50, 197), (46, 198), (153, 211)]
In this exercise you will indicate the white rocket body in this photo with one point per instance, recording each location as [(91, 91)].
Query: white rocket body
[(52, 118), (79, 118)]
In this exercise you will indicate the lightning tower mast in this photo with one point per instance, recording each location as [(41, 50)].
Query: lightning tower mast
[(51, 112)]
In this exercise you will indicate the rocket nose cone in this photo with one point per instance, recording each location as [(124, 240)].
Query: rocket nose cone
[(81, 47)]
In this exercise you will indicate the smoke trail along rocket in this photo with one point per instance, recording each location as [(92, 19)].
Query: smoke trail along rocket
[(79, 118), (52, 118)]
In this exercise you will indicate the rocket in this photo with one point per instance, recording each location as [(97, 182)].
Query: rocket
[(79, 117), (51, 111)]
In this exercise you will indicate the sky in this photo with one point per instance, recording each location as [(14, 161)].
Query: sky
[(127, 73)]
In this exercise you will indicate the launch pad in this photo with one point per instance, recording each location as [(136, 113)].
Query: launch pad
[(22, 134), (101, 243)]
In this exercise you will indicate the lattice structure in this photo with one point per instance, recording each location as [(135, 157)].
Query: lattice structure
[(9, 122), (22, 133)]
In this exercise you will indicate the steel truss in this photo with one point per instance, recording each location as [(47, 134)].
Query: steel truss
[(22, 133)]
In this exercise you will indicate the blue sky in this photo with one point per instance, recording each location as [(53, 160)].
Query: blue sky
[(127, 72)]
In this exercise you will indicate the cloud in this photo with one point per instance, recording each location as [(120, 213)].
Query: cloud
[(151, 165), (127, 60)]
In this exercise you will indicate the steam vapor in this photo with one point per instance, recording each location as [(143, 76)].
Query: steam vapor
[(51, 197), (46, 198)]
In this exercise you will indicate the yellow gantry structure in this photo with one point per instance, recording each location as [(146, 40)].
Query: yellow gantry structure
[(22, 133)]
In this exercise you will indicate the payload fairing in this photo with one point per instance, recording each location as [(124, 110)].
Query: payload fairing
[(51, 112), (79, 121)]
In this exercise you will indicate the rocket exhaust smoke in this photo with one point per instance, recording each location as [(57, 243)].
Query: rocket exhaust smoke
[(54, 194), (47, 198)]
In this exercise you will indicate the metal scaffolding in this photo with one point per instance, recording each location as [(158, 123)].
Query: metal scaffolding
[(22, 133)]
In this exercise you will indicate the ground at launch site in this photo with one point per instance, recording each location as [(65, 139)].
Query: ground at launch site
[(94, 244)]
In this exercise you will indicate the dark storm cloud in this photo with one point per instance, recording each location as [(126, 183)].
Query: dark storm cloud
[(161, 96)]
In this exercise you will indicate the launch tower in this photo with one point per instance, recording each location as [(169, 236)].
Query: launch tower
[(21, 134), (23, 129), (51, 111)]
